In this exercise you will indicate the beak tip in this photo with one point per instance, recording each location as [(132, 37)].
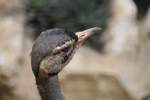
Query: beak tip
[(83, 35)]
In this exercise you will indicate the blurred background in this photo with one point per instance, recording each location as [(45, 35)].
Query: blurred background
[(113, 64)]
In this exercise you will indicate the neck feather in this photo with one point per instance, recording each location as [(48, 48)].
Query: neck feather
[(49, 88)]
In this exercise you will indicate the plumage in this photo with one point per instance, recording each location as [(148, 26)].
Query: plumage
[(51, 52), (47, 44)]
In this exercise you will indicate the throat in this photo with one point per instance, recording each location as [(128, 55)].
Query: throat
[(49, 88)]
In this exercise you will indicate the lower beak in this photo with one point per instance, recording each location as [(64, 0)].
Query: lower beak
[(84, 35)]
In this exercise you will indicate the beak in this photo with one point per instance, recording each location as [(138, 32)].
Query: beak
[(84, 35)]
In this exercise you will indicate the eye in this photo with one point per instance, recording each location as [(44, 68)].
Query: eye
[(65, 59), (68, 53)]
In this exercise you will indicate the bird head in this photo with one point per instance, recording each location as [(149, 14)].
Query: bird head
[(54, 48)]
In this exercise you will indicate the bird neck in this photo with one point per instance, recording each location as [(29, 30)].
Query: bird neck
[(49, 88)]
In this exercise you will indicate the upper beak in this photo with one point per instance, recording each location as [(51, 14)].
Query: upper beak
[(84, 35)]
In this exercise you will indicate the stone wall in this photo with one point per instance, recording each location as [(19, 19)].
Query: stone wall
[(15, 80)]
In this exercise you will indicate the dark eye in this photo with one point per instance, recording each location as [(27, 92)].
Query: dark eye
[(65, 59)]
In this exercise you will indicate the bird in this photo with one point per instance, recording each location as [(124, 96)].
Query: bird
[(51, 52)]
